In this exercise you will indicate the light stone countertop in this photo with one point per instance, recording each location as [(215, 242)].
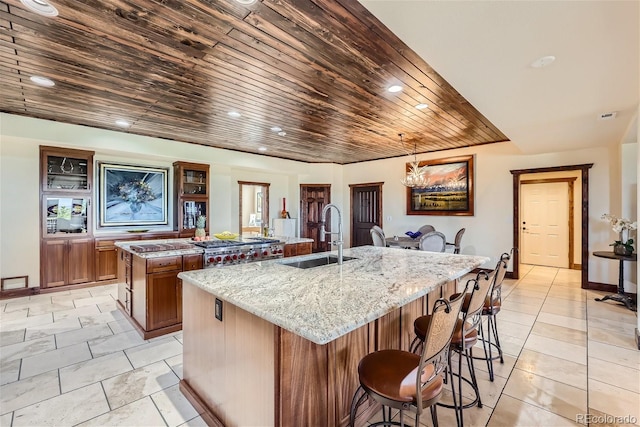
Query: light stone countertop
[(293, 240), (127, 244), (326, 302)]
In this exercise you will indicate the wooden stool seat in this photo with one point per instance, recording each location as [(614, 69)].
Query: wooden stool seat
[(391, 374)]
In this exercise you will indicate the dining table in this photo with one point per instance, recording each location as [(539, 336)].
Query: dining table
[(403, 242)]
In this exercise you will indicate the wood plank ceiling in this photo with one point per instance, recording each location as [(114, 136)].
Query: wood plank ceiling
[(174, 69)]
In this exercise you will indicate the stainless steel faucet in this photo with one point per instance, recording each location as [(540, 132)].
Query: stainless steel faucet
[(323, 231)]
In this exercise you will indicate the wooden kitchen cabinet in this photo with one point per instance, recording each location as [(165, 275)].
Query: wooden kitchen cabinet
[(66, 262), (191, 185), (295, 249)]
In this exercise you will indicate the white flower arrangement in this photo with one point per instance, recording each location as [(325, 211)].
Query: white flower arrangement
[(619, 224)]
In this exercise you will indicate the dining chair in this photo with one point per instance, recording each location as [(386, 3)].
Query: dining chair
[(407, 381), (377, 237), (456, 243), (379, 230), (433, 241), (426, 229)]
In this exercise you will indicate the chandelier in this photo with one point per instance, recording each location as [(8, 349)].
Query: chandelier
[(415, 176)]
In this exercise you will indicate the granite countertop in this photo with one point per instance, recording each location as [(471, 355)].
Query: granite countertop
[(293, 240), (324, 303), (127, 246)]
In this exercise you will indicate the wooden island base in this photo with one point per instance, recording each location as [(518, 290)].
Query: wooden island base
[(244, 370)]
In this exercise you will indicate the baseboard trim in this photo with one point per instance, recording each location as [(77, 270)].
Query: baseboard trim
[(596, 286), (16, 293), (638, 338)]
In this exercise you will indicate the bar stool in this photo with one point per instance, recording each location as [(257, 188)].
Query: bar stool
[(491, 309), (464, 338), (390, 377)]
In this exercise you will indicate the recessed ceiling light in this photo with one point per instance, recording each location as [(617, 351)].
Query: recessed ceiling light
[(282, 133), (234, 114), (246, 1), (40, 7), (422, 106), (394, 88), (276, 129), (122, 123), (42, 81), (543, 62), (262, 148)]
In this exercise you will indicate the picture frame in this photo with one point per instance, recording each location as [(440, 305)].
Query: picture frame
[(131, 195), (450, 190)]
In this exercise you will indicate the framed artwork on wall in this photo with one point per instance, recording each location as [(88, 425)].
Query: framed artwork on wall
[(132, 195), (449, 189)]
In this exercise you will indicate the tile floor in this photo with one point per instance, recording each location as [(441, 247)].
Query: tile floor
[(70, 358)]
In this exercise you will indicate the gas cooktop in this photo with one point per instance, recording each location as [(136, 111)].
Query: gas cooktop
[(240, 242)]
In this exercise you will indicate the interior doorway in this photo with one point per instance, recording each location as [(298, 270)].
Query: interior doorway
[(583, 215), (547, 222), (366, 211), (313, 198), (254, 207)]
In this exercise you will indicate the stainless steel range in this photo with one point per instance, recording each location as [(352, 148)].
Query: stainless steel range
[(218, 253)]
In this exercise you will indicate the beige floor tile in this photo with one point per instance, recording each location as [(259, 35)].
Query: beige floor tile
[(516, 317), (9, 371), (512, 329), (554, 368), (554, 396), (81, 335), (120, 326), (615, 375), (611, 311), (13, 315), (5, 420), (536, 285), (195, 422), (611, 325), (515, 412), (175, 363), (614, 354), (107, 306), (101, 346), (600, 419), (84, 373), (151, 352), (567, 322), (104, 290), (557, 348), (54, 359), (511, 345), (26, 322), (23, 393), (42, 331), (131, 386), (613, 400), (614, 338), (89, 310), (527, 293), (141, 413), (100, 318), (44, 308), (82, 302), (571, 294), (84, 293), (522, 299), (67, 409), (11, 337), (561, 333), (13, 305), (499, 369), (26, 348), (174, 407), (524, 307), (577, 311)]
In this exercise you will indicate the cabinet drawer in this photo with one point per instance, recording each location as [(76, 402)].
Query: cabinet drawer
[(192, 262), (156, 265)]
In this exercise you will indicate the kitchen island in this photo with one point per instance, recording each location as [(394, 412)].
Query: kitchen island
[(267, 343)]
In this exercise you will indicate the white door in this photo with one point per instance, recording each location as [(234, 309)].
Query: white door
[(544, 231)]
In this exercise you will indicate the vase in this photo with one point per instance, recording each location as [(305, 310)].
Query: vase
[(622, 250), (135, 208)]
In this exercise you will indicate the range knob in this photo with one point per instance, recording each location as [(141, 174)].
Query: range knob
[(218, 258), (210, 259), (242, 256), (279, 251), (227, 258), (265, 253), (235, 257)]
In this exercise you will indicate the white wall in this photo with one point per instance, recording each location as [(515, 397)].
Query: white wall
[(489, 231), (629, 193)]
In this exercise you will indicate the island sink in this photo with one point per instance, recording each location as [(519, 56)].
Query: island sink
[(316, 262)]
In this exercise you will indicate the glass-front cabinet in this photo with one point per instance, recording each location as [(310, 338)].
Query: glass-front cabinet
[(65, 215), (191, 184), (70, 172)]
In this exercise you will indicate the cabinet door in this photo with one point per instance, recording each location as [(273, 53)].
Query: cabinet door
[(80, 261), (54, 263), (106, 260), (304, 248), (290, 250), (66, 170), (164, 300)]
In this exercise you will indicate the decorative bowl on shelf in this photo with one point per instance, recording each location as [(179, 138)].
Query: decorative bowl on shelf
[(413, 234), (226, 236)]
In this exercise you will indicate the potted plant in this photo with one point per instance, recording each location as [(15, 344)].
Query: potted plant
[(623, 226)]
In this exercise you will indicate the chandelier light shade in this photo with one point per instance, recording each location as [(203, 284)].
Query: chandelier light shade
[(415, 176)]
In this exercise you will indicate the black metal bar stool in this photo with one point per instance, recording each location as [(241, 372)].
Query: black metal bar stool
[(391, 377), (464, 338)]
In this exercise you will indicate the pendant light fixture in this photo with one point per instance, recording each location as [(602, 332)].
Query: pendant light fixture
[(415, 176)]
